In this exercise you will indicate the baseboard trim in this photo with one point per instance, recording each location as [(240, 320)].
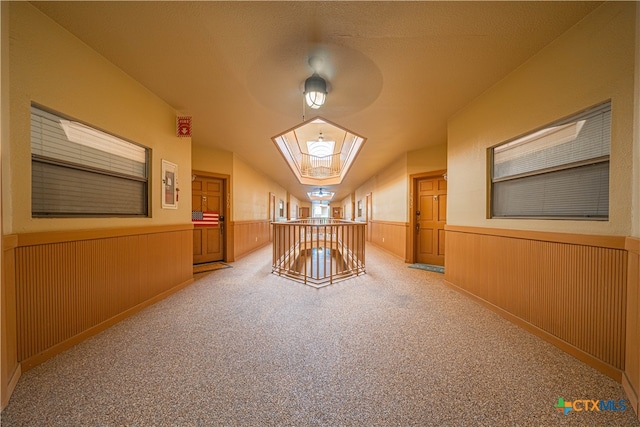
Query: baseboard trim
[(632, 394), (13, 382), (94, 330), (590, 360)]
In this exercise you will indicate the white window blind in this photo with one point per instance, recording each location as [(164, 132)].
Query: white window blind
[(81, 171), (561, 171)]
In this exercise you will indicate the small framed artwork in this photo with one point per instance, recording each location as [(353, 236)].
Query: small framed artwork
[(359, 208), (169, 185)]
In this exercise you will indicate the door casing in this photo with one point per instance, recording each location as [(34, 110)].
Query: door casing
[(227, 232), (413, 202)]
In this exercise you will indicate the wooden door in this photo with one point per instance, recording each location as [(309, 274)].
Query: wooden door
[(431, 217), (304, 213), (207, 196)]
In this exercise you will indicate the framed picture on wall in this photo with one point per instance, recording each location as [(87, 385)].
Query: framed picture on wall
[(359, 208), (169, 185)]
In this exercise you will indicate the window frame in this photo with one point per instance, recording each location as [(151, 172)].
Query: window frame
[(599, 108), (72, 166)]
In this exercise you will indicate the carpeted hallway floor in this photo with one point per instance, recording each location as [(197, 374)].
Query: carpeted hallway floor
[(242, 347)]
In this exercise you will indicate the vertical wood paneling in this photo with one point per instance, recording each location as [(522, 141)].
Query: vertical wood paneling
[(631, 378), (394, 235), (574, 292), (64, 289), (10, 366), (249, 236)]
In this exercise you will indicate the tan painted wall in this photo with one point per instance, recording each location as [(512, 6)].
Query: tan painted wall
[(211, 160), (427, 159), (596, 60), (250, 192), (631, 377), (346, 206), (361, 193), (294, 206), (587, 65), (333, 205), (9, 368), (249, 188), (51, 67), (306, 204), (389, 189)]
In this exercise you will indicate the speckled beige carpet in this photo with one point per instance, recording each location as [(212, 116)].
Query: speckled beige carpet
[(242, 347)]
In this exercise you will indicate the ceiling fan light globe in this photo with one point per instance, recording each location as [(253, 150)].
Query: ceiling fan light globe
[(315, 91), (315, 99)]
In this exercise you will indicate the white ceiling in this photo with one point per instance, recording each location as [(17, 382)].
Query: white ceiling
[(397, 70)]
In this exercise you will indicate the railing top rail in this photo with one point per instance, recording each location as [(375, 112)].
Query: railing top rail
[(318, 221), (318, 251)]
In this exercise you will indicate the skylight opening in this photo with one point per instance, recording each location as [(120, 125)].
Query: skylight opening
[(315, 160), (321, 148)]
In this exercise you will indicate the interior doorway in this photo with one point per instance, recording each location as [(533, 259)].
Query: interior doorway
[(320, 209), (429, 217), (208, 217)]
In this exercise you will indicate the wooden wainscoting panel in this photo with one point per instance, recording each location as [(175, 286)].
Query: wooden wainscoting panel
[(631, 378), (575, 293), (65, 289), (249, 236), (44, 237), (164, 263), (612, 242), (390, 237), (9, 357)]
